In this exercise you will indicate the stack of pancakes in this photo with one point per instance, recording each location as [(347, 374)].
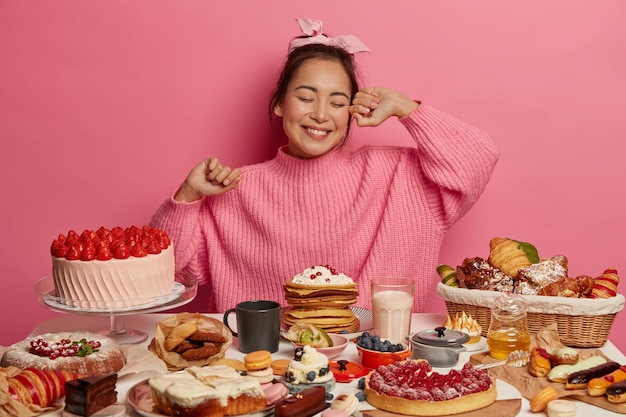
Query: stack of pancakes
[(326, 306)]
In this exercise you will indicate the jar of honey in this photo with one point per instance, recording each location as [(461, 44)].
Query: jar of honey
[(508, 329)]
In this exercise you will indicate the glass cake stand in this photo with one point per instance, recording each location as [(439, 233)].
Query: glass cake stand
[(185, 289)]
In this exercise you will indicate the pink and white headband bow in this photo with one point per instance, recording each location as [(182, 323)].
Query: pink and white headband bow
[(313, 30)]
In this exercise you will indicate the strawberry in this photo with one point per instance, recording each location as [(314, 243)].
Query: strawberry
[(120, 250), (104, 244), (102, 231), (72, 241), (138, 251), (132, 230), (89, 252), (58, 249), (87, 235), (73, 253), (152, 245), (164, 240), (118, 232), (103, 253)]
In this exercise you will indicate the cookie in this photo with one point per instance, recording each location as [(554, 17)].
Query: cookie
[(186, 345), (179, 334), (200, 353), (203, 336)]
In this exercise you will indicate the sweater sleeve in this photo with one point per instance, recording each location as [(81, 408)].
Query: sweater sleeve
[(180, 221), (456, 158)]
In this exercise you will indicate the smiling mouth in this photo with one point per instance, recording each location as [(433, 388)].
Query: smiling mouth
[(316, 132)]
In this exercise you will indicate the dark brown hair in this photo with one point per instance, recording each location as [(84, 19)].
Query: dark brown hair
[(299, 56)]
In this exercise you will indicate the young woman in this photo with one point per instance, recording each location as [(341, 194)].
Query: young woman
[(374, 211)]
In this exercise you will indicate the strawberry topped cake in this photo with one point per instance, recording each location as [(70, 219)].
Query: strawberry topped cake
[(113, 268), (411, 387)]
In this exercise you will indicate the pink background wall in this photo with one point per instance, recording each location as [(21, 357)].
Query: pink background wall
[(105, 106)]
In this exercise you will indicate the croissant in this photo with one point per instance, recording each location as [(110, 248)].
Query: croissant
[(605, 285), (510, 255), (580, 286), (32, 388)]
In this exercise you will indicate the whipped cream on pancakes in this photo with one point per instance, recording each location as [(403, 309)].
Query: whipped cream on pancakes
[(321, 296), (321, 275)]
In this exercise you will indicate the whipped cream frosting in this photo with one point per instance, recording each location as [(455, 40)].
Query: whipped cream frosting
[(321, 275), (313, 367), (114, 283), (196, 384)]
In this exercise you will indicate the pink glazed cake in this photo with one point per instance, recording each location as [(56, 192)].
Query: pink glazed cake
[(113, 268)]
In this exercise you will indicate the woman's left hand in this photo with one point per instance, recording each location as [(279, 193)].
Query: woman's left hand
[(373, 105)]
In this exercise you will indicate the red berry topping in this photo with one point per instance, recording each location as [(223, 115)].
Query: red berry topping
[(104, 244), (64, 348), (415, 380)]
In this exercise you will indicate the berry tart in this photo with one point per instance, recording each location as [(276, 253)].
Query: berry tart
[(411, 387)]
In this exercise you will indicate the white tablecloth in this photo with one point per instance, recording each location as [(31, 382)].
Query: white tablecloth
[(147, 323)]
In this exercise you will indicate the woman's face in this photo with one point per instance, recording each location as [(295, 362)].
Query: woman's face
[(315, 108)]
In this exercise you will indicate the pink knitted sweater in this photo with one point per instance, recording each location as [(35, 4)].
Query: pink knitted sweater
[(374, 211)]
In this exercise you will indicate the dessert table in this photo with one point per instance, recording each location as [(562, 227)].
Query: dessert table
[(422, 321)]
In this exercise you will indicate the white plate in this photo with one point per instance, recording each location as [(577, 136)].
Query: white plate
[(61, 304), (473, 347), (506, 391), (365, 318), (140, 398)]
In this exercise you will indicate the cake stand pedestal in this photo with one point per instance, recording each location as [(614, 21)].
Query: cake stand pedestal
[(185, 289)]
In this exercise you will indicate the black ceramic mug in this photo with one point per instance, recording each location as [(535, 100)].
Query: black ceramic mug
[(258, 325)]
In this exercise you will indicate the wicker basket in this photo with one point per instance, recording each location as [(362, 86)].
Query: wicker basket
[(582, 323)]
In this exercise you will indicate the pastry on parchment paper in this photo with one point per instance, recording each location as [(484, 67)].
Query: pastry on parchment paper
[(190, 339)]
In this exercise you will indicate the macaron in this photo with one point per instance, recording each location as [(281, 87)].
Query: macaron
[(345, 401), (257, 360), (263, 375), (561, 408), (330, 412), (274, 392), (279, 366)]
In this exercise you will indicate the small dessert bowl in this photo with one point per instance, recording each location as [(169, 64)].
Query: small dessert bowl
[(339, 344), (372, 359)]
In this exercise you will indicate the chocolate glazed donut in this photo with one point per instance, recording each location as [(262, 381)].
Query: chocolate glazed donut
[(304, 404)]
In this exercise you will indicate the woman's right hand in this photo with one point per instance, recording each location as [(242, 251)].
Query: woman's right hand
[(208, 178)]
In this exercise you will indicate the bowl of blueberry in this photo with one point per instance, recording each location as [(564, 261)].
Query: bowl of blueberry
[(374, 351)]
